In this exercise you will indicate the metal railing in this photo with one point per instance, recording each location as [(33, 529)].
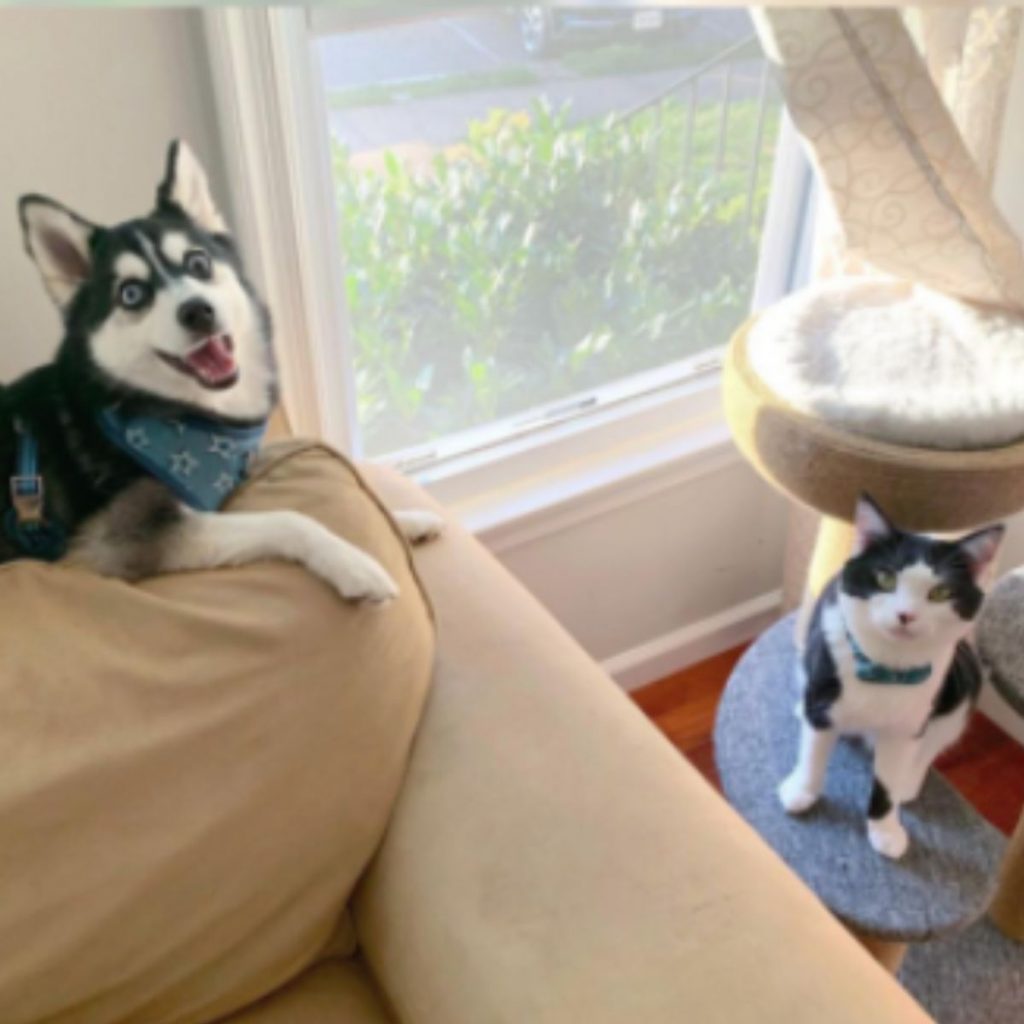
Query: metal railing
[(695, 88)]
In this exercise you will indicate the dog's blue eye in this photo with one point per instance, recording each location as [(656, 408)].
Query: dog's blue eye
[(197, 264), (133, 294)]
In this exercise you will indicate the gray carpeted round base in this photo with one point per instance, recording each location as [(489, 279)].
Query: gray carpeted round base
[(1001, 638), (976, 977), (942, 884)]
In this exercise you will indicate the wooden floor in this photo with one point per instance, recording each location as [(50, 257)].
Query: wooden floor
[(987, 766)]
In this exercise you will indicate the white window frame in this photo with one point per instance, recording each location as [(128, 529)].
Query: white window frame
[(272, 112)]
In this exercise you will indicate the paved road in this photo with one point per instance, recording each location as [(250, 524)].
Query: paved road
[(420, 49), (442, 121), (484, 42)]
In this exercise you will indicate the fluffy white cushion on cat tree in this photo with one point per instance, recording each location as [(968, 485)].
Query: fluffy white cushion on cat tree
[(895, 361)]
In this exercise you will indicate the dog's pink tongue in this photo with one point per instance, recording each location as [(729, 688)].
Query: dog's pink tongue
[(212, 359)]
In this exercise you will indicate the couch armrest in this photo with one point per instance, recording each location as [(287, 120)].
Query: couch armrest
[(553, 859)]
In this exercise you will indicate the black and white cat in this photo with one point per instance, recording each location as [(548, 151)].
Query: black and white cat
[(886, 658)]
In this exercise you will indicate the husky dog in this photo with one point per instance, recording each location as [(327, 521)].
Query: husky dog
[(887, 658), (121, 449)]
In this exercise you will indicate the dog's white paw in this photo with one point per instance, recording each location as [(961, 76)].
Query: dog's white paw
[(795, 795), (354, 574), (888, 837), (419, 524)]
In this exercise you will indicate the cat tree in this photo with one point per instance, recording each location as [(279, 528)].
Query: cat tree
[(948, 879), (909, 203)]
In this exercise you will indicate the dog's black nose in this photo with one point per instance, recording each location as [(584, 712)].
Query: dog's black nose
[(197, 316)]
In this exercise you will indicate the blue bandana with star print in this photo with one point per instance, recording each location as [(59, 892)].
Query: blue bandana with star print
[(870, 671), (201, 461)]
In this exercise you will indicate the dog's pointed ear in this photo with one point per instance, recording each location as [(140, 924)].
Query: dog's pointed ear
[(186, 187), (59, 243)]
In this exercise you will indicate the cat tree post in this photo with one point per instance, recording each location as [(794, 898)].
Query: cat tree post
[(889, 954), (1007, 908), (812, 559)]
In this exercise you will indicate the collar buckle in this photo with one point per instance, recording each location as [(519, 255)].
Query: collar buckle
[(27, 498)]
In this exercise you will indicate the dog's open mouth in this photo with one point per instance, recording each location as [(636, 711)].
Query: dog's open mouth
[(210, 361)]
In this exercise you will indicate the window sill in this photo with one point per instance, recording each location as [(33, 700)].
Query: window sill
[(574, 471)]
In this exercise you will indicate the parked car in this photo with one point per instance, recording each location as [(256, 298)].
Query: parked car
[(543, 26)]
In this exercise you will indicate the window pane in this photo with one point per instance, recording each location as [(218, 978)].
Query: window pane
[(535, 203)]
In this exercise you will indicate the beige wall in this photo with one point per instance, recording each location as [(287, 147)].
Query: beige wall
[(88, 103)]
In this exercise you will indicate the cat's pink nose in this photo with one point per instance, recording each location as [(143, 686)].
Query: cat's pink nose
[(906, 618)]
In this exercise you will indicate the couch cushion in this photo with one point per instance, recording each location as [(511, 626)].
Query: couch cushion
[(197, 769), (330, 993)]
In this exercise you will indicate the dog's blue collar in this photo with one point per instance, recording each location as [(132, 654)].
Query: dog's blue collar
[(25, 522), (870, 671), (202, 461)]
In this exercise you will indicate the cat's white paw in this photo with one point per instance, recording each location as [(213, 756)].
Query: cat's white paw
[(888, 837), (419, 524), (795, 795), (354, 574)]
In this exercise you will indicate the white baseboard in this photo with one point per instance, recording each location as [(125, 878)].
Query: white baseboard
[(673, 651)]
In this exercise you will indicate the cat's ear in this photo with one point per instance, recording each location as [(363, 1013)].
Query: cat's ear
[(870, 525), (981, 548)]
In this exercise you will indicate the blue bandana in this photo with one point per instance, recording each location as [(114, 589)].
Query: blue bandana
[(201, 461), (869, 671)]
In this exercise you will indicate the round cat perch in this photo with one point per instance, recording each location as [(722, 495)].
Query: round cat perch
[(825, 467)]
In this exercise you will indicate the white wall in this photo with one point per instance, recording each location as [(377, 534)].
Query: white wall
[(652, 578), (89, 101)]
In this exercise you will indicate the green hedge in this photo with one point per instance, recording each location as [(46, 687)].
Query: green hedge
[(540, 259)]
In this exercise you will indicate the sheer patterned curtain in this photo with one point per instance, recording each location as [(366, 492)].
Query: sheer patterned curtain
[(903, 119), (971, 54)]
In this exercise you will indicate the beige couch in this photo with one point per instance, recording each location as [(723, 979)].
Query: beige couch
[(553, 860), (215, 803)]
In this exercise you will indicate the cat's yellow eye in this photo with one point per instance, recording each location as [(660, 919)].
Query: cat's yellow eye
[(940, 592), (886, 579)]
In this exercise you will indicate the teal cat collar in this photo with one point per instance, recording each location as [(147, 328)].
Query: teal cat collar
[(870, 671)]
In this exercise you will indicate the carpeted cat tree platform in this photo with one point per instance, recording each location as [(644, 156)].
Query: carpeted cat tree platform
[(905, 380), (942, 885)]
